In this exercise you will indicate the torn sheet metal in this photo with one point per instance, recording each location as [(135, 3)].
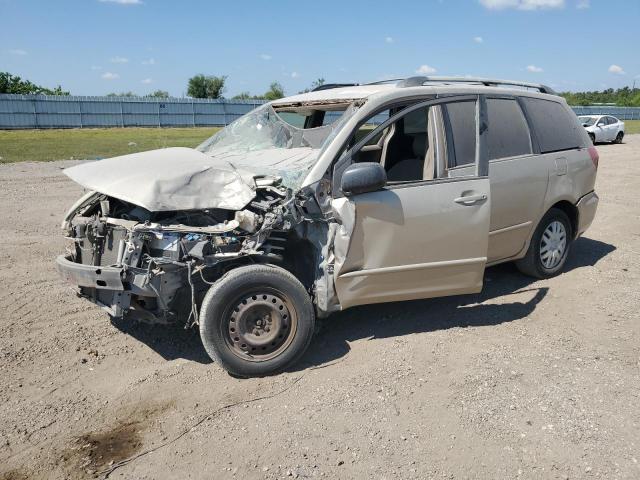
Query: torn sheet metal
[(168, 179)]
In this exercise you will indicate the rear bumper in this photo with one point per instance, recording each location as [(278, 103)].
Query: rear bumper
[(587, 207)]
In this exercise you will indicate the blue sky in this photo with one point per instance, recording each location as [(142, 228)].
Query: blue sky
[(93, 47)]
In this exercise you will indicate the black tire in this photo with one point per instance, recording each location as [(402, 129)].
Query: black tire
[(593, 138), (232, 316), (619, 137), (532, 263)]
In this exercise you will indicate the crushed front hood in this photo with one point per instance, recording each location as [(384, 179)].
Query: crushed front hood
[(168, 179)]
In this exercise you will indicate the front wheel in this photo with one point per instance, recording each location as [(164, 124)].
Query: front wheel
[(549, 246), (619, 137), (256, 320), (593, 138)]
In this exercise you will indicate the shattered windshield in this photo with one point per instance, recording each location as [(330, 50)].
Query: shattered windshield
[(265, 144)]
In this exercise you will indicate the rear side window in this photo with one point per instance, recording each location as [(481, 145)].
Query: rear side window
[(508, 133), (460, 122), (554, 127), (612, 121)]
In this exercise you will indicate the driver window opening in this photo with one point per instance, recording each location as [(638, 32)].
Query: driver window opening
[(403, 147)]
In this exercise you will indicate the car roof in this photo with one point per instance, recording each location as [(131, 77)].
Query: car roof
[(354, 92), (389, 91)]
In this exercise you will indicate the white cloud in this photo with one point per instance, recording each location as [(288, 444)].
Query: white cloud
[(617, 69), (478, 39), (265, 56), (123, 2), (425, 70), (522, 4), (583, 4), (117, 59), (110, 76), (388, 39), (147, 81), (534, 69), (150, 61), (295, 74), (18, 51)]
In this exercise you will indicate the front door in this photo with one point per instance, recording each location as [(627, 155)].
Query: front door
[(602, 130), (422, 235)]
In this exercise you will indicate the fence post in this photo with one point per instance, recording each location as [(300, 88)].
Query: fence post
[(35, 113), (224, 112), (121, 114), (193, 113)]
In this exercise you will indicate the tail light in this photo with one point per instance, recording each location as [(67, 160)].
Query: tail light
[(593, 153)]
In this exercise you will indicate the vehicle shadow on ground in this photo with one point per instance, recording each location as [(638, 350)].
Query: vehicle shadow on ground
[(518, 299), (169, 341), (390, 319)]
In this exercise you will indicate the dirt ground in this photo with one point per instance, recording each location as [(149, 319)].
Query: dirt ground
[(530, 379)]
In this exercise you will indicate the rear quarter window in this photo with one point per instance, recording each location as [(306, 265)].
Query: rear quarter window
[(554, 127), (508, 133)]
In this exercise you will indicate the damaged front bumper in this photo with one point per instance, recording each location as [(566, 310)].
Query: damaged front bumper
[(90, 276), (120, 290)]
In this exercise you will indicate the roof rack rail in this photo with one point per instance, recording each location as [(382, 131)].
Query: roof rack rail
[(489, 82), (328, 86)]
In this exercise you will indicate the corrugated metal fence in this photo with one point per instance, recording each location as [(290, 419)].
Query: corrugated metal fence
[(622, 113), (44, 111)]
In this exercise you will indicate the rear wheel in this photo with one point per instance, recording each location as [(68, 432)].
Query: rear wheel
[(549, 246), (619, 137), (256, 320)]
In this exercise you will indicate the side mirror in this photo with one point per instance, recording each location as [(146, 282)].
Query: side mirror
[(363, 177)]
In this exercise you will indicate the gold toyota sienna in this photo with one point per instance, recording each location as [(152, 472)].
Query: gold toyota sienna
[(346, 195)]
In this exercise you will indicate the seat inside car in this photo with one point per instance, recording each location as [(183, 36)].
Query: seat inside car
[(411, 168)]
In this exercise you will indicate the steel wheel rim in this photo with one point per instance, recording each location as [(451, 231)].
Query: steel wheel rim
[(260, 325), (553, 244)]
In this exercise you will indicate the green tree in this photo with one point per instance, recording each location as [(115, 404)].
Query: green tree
[(624, 97), (122, 94), (315, 84), (243, 96), (159, 94), (275, 91), (202, 86), (14, 84)]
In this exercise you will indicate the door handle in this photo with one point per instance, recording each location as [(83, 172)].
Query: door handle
[(470, 199)]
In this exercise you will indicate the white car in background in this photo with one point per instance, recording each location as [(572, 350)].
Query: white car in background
[(603, 128)]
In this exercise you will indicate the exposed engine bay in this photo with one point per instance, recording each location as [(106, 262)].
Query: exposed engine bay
[(156, 266)]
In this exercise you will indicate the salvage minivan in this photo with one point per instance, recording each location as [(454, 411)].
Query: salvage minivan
[(343, 196)]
